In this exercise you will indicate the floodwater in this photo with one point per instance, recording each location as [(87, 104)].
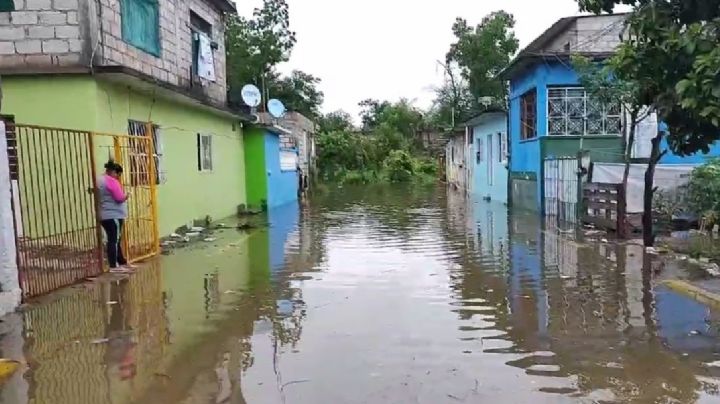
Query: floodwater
[(373, 295)]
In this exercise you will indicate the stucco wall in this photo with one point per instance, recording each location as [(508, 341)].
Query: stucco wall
[(187, 193), (255, 172), (106, 108), (9, 285), (282, 185), (490, 175)]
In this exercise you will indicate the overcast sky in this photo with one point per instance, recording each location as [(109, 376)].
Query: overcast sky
[(387, 49)]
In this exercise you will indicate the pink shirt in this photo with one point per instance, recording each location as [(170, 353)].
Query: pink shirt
[(114, 188)]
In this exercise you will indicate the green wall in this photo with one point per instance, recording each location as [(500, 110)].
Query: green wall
[(607, 149), (256, 178), (81, 102)]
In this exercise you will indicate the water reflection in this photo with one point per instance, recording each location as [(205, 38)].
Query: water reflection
[(374, 294)]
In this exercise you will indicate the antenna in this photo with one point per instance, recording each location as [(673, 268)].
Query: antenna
[(276, 108), (251, 96)]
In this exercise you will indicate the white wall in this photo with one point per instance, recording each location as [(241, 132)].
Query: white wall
[(10, 293)]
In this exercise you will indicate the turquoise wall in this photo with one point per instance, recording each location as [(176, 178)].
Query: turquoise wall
[(490, 175), (282, 185)]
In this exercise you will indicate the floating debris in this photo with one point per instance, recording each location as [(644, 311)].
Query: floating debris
[(111, 302), (196, 229), (8, 368), (713, 270), (210, 239), (101, 341), (694, 332), (192, 234)]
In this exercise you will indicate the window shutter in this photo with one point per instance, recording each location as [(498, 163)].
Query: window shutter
[(199, 153)]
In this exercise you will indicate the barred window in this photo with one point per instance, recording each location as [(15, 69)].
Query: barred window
[(573, 112), (139, 171)]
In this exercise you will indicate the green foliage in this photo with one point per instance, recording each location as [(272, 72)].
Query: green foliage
[(704, 191), (672, 54), (482, 52), (386, 151), (254, 48), (337, 121), (298, 92)]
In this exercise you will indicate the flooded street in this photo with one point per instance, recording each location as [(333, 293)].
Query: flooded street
[(373, 295)]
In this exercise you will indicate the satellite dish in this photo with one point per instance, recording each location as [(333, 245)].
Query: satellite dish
[(276, 108), (251, 95)]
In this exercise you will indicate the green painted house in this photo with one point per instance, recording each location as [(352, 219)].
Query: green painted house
[(117, 68)]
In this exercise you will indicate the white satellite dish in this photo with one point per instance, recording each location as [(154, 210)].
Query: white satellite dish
[(276, 108), (251, 95)]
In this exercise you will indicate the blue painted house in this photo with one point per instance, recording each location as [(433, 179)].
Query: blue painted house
[(270, 169), (552, 117), (488, 160)]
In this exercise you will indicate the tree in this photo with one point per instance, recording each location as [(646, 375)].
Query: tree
[(482, 52), (607, 84), (337, 121), (672, 54), (453, 102), (370, 110), (255, 46), (298, 92)]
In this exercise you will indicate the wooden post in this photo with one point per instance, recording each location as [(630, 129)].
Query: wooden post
[(621, 204)]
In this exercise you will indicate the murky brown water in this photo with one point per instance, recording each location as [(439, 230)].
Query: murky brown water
[(373, 295)]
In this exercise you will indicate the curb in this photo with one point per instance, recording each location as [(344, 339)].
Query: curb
[(692, 291)]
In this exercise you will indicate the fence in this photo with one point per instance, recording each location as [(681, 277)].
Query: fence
[(53, 175), (603, 206), (561, 189)]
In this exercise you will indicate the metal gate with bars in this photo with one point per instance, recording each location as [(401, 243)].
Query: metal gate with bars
[(561, 189), (53, 174)]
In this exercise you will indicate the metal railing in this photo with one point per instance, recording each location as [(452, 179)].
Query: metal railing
[(59, 240)]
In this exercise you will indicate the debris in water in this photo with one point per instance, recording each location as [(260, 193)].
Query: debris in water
[(210, 239), (7, 367), (175, 235), (715, 364), (604, 240), (111, 302), (713, 270), (694, 332), (197, 229), (101, 340), (230, 292), (704, 260), (192, 234)]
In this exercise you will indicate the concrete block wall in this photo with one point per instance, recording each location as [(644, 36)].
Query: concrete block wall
[(59, 33), (590, 34), (175, 61), (42, 33), (302, 130)]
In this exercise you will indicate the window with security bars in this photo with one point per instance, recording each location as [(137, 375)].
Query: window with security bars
[(139, 170), (204, 152), (573, 112), (12, 146)]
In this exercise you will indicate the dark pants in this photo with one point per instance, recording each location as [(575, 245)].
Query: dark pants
[(113, 230)]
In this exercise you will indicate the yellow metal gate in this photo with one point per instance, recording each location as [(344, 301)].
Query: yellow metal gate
[(53, 178)]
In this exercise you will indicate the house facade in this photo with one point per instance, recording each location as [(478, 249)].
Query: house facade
[(457, 155), (489, 153), (114, 66), (271, 168), (553, 118)]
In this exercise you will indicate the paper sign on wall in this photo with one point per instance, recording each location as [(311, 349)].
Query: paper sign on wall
[(288, 161)]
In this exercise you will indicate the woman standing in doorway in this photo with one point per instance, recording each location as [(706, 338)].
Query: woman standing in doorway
[(113, 212)]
